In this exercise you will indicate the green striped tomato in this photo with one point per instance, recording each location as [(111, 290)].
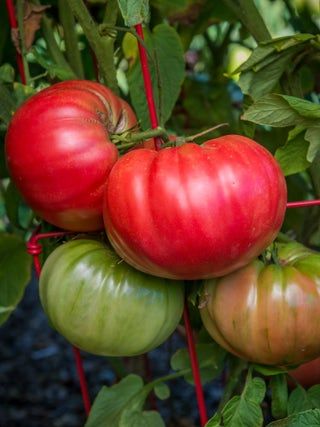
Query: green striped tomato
[(102, 305)]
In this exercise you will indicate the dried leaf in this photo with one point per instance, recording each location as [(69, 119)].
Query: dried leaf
[(31, 21)]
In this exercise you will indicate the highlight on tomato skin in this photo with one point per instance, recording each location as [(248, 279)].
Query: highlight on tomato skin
[(59, 152), (102, 305), (272, 315), (193, 212)]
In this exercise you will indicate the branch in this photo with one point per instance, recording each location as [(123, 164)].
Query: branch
[(102, 46)]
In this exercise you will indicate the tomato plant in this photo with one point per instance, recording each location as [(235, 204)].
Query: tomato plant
[(192, 211), (307, 374), (102, 305), (268, 314), (59, 151)]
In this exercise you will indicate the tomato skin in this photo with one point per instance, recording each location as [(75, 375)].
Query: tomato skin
[(59, 152), (193, 211), (307, 374), (102, 305), (267, 314)]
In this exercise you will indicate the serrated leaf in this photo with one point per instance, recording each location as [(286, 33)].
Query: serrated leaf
[(166, 62), (134, 11), (264, 80), (6, 73), (279, 393), (309, 418), (162, 391), (272, 110), (133, 418), (292, 157), (312, 135), (286, 42), (304, 108), (15, 273), (210, 360), (302, 400), (112, 401)]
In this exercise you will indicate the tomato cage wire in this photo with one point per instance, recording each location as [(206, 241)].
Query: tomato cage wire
[(34, 247)]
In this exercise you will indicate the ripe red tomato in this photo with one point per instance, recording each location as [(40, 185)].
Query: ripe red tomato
[(193, 211), (268, 314), (59, 152), (102, 305), (307, 374)]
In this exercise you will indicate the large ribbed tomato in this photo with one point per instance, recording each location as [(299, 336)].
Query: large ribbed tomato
[(102, 305), (193, 211), (59, 152), (268, 314)]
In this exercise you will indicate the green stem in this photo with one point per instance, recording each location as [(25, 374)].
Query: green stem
[(129, 137), (237, 367), (283, 238), (70, 37), (150, 386), (20, 17), (53, 48), (250, 17), (102, 46)]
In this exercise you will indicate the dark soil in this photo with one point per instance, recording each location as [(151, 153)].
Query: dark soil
[(39, 385)]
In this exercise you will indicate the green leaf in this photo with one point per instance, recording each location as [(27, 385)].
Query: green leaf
[(244, 410), (309, 418), (15, 273), (134, 11), (292, 157), (272, 110), (162, 391), (268, 371), (6, 73), (302, 400), (141, 419), (54, 70), (304, 108), (111, 402), (286, 42), (279, 390), (7, 104), (210, 359), (313, 137), (264, 80), (167, 69)]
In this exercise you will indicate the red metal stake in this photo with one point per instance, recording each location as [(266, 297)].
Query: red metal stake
[(14, 27), (303, 203), (34, 248), (154, 124), (195, 367)]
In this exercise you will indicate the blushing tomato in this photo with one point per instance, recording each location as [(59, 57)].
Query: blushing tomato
[(268, 314), (193, 211), (307, 374), (59, 152), (102, 305)]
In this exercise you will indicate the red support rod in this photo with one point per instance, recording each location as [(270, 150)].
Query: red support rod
[(148, 84), (303, 203), (195, 367), (190, 339), (34, 248), (14, 27)]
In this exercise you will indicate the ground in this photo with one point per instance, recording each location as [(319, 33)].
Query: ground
[(39, 385)]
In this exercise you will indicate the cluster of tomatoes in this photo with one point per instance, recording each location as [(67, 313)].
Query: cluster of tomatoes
[(192, 212)]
